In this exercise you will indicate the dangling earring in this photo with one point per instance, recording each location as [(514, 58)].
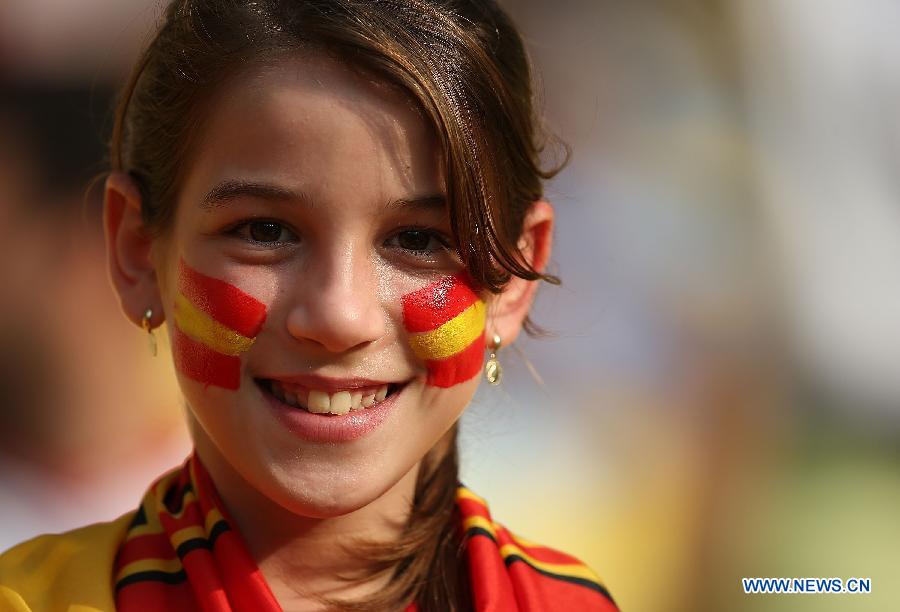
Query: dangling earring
[(492, 369), (145, 324)]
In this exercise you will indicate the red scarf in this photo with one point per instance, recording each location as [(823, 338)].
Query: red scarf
[(510, 573), (181, 554)]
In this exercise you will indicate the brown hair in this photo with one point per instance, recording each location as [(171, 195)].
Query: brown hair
[(464, 63)]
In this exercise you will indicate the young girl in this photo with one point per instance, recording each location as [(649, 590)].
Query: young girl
[(335, 207)]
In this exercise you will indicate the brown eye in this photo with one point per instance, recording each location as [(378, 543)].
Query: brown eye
[(420, 246), (265, 231), (414, 240)]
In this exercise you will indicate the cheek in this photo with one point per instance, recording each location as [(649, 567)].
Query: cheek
[(446, 325), (214, 323)]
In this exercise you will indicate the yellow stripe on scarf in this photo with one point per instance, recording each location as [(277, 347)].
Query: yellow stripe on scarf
[(573, 570), (142, 530), (212, 517), (451, 337), (200, 326), (464, 493), (187, 533), (169, 566)]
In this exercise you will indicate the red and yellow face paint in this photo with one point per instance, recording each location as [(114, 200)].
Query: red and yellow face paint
[(214, 323), (446, 320)]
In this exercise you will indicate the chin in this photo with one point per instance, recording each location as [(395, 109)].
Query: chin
[(321, 479), (315, 490)]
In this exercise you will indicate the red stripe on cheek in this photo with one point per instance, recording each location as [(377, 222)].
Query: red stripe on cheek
[(432, 306), (222, 301), (458, 368), (199, 362)]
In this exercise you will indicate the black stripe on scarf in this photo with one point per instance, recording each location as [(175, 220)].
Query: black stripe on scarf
[(513, 558)]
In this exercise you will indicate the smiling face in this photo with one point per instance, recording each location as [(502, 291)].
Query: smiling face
[(324, 336)]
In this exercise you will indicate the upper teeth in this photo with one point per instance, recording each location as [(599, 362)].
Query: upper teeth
[(322, 402)]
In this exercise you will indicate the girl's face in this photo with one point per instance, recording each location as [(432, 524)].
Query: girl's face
[(323, 334)]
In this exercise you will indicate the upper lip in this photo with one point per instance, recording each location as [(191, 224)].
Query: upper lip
[(324, 383)]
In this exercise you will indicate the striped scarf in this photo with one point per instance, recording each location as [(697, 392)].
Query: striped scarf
[(181, 554), (511, 573)]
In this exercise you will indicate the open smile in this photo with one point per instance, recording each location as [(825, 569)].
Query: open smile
[(346, 410), (357, 395)]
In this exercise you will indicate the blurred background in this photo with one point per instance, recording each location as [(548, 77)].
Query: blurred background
[(720, 395)]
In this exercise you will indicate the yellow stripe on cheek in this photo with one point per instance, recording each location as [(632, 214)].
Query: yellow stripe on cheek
[(451, 337), (200, 326)]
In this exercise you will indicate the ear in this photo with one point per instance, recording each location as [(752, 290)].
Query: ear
[(128, 249), (508, 309)]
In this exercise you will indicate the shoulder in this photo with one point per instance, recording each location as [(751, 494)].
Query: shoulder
[(50, 571), (538, 577)]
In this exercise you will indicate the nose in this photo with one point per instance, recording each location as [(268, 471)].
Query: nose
[(336, 303)]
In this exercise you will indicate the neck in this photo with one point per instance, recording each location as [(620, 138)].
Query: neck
[(301, 557)]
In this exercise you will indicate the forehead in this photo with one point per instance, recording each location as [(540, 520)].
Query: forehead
[(316, 125)]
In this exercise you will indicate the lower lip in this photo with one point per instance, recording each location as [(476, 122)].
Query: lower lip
[(329, 427)]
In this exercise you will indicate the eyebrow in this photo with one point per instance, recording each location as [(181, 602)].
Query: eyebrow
[(428, 203), (227, 191)]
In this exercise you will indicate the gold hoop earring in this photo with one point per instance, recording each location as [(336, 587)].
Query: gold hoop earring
[(145, 324), (492, 370)]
